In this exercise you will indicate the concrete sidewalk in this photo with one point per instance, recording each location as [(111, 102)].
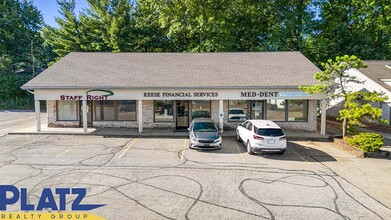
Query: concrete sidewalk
[(133, 132)]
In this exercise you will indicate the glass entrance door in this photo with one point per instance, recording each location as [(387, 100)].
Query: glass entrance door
[(182, 114), (256, 108)]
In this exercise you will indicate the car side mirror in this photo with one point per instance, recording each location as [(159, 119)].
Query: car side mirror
[(188, 129)]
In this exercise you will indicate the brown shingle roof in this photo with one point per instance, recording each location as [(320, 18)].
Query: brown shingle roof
[(377, 71), (177, 70)]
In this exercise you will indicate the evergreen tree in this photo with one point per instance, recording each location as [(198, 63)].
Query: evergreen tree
[(67, 37)]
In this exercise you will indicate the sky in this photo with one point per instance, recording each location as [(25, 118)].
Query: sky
[(49, 9)]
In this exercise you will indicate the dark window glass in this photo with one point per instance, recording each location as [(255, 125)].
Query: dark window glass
[(237, 110), (256, 109), (270, 132), (67, 110), (275, 110), (105, 110), (250, 126), (126, 110), (245, 124), (123, 110), (200, 109), (297, 110), (163, 111), (204, 127)]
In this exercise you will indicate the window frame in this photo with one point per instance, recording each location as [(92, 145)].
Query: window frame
[(77, 111), (285, 109), (191, 108), (115, 110), (229, 108), (173, 112), (305, 110)]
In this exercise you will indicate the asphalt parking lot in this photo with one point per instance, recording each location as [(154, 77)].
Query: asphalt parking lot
[(163, 179)]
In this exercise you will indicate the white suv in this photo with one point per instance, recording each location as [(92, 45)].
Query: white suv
[(261, 136)]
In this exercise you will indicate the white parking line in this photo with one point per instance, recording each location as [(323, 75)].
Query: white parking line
[(240, 152), (299, 156), (130, 144), (74, 146), (182, 152)]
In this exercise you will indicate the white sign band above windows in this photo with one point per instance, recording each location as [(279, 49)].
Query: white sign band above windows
[(125, 94)]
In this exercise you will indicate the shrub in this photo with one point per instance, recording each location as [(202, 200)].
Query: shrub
[(368, 142)]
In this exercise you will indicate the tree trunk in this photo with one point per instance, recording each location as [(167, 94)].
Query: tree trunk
[(344, 127)]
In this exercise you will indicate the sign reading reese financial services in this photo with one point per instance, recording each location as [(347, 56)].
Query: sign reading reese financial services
[(181, 94)]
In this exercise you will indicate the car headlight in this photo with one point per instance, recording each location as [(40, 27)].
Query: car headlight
[(193, 138), (218, 140)]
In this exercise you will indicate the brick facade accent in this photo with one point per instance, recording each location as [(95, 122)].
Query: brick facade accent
[(51, 109), (311, 125), (148, 118)]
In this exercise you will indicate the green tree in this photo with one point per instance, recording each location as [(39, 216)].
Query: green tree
[(67, 37), (358, 27), (358, 109), (110, 20), (219, 25), (21, 50), (149, 35), (334, 80), (293, 21), (20, 40)]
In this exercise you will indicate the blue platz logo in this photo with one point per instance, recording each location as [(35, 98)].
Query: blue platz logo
[(46, 200)]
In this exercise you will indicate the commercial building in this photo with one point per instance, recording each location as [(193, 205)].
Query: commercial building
[(376, 77), (168, 90)]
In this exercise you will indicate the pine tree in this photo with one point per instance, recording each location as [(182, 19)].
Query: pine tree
[(67, 37)]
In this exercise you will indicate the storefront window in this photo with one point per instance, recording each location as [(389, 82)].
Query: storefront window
[(67, 111), (275, 110), (256, 109), (105, 111), (163, 111), (200, 109), (126, 110), (123, 110), (297, 110), (237, 110)]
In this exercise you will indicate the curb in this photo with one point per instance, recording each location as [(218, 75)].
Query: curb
[(293, 138)]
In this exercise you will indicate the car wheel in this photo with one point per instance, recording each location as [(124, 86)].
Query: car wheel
[(281, 152), (237, 137), (249, 149)]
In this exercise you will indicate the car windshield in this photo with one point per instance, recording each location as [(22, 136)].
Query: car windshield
[(201, 114), (236, 111), (204, 127), (270, 132)]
